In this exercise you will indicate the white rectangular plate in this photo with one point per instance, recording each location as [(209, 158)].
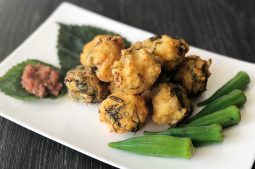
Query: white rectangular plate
[(77, 125)]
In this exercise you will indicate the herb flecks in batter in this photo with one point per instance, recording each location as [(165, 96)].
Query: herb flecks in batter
[(117, 99)]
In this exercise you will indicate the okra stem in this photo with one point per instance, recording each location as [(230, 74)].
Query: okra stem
[(239, 81), (199, 134), (235, 97), (226, 117), (157, 145)]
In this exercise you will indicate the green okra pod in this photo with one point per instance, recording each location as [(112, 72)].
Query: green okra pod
[(235, 97), (239, 81), (226, 117), (157, 145), (198, 134)]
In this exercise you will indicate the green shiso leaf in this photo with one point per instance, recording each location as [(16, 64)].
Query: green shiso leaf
[(10, 82), (71, 39)]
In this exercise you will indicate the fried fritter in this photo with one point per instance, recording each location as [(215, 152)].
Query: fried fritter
[(84, 86), (123, 112), (193, 75), (170, 104), (135, 72), (170, 50), (100, 54)]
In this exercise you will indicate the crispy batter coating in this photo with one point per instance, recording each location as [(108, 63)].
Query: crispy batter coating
[(135, 72), (164, 77), (193, 75), (170, 104), (170, 50), (84, 86), (100, 54), (123, 112)]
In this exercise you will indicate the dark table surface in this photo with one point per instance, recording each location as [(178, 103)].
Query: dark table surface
[(223, 26)]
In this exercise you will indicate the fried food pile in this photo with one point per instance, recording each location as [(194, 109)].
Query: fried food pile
[(152, 73)]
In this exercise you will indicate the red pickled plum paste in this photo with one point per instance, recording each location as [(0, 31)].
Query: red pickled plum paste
[(41, 80)]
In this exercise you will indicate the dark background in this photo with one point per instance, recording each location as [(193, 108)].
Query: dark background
[(223, 26)]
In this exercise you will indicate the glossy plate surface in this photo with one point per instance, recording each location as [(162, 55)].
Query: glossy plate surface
[(77, 125)]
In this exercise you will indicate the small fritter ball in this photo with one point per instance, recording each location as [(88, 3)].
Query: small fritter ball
[(84, 86), (100, 54), (135, 72), (123, 112), (193, 75), (170, 104), (170, 50)]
